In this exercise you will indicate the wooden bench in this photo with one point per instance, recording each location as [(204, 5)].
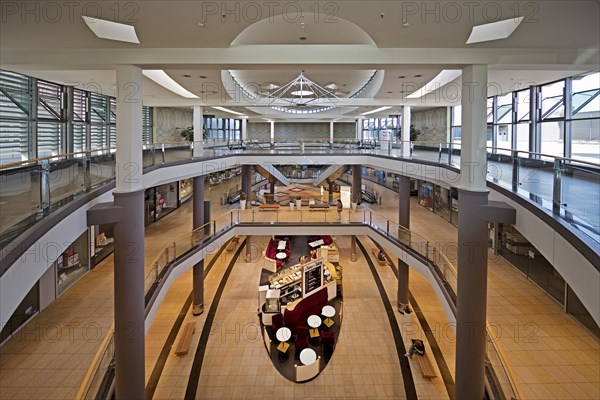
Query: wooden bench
[(426, 367), (233, 243), (184, 340), (318, 207), (375, 252), (264, 207)]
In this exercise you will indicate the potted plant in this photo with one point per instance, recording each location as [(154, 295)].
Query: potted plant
[(188, 134), (298, 202)]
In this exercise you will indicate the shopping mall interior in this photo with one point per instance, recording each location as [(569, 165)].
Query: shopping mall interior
[(324, 200)]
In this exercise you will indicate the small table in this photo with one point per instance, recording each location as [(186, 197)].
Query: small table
[(281, 245), (316, 243), (283, 335), (328, 312), (308, 356), (280, 256), (314, 322)]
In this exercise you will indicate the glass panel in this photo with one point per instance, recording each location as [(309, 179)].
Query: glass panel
[(490, 110), (580, 197), (49, 100), (504, 139), (20, 196), (586, 104), (72, 264), (522, 104), (489, 134), (79, 138), (504, 108), (66, 179), (49, 139), (553, 135), (456, 115), (585, 136), (523, 138), (553, 105), (14, 140)]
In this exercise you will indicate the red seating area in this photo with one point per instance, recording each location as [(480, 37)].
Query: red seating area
[(272, 249), (312, 305), (327, 240)]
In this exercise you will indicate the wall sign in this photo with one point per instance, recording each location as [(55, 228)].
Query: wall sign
[(313, 277)]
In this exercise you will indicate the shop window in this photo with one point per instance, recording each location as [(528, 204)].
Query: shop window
[(27, 309), (101, 243), (426, 195), (72, 263), (186, 188)]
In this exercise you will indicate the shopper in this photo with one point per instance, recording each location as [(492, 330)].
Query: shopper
[(340, 208), (417, 346)]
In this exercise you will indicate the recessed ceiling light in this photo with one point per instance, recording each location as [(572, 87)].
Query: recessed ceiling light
[(159, 76), (494, 31), (187, 76), (418, 76), (302, 37), (376, 110), (228, 110), (401, 77), (390, 92), (111, 30), (202, 77), (201, 24)]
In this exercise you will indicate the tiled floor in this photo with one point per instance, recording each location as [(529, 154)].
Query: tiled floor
[(552, 356)]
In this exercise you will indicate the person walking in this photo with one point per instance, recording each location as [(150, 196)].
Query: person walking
[(340, 208)]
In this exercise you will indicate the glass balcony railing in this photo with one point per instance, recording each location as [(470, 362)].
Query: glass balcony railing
[(566, 188)]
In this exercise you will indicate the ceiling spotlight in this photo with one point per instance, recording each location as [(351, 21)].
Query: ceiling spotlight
[(201, 24), (405, 24), (187, 76), (418, 76), (401, 77), (202, 77), (302, 37), (302, 25)]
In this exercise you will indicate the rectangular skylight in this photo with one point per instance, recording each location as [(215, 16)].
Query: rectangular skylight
[(111, 30), (441, 79), (376, 110), (494, 31), (159, 76), (228, 110)]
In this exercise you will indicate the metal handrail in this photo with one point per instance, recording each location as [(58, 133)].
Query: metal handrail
[(36, 160)]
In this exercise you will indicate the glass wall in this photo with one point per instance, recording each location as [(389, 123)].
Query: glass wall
[(566, 121), (44, 119), (225, 129), (371, 127)]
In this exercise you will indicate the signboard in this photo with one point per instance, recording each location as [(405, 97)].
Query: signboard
[(313, 277), (385, 136)]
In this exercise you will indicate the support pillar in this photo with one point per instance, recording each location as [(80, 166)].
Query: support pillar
[(198, 126), (356, 183), (403, 220), (248, 252), (272, 133), (330, 192), (353, 256), (129, 240), (246, 180), (405, 145), (359, 127), (244, 132), (331, 133), (198, 269), (272, 188), (472, 238)]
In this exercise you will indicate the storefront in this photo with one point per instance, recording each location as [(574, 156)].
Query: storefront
[(161, 200), (72, 263)]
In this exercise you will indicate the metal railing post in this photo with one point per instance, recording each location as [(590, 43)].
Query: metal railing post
[(557, 186), (214, 227), (388, 227), (515, 171)]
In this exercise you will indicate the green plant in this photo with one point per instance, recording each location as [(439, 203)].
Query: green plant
[(414, 133), (188, 134)]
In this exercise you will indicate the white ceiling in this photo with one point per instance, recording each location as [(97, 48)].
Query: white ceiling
[(407, 42)]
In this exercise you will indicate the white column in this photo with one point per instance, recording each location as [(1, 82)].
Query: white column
[(473, 157), (244, 129), (405, 145), (359, 124), (331, 132), (272, 132), (198, 125), (129, 130)]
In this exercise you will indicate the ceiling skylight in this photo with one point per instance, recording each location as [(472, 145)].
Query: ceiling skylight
[(376, 110), (494, 31), (228, 110), (111, 30), (441, 79), (159, 76)]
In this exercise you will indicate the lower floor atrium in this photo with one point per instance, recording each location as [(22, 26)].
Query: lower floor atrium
[(552, 356)]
